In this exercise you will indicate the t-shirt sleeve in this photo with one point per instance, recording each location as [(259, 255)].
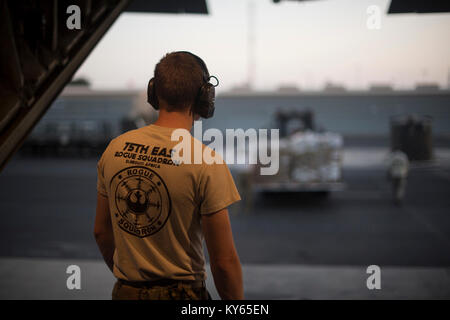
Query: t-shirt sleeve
[(101, 187), (217, 188)]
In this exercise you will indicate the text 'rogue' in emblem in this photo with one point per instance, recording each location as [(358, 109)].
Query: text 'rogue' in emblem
[(142, 201)]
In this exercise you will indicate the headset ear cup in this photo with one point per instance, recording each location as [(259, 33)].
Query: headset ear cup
[(151, 94), (211, 100), (204, 105)]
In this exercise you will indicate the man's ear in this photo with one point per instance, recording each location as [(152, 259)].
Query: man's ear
[(194, 114), (191, 112)]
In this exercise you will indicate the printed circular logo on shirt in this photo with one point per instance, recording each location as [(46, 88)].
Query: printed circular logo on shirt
[(142, 201)]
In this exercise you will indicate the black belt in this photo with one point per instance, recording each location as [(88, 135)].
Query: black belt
[(163, 283)]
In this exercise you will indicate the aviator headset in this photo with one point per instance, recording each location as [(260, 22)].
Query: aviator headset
[(204, 102)]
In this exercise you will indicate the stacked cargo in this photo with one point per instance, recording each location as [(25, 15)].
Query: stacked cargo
[(315, 157), (310, 160)]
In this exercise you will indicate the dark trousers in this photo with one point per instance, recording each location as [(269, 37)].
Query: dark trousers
[(177, 290)]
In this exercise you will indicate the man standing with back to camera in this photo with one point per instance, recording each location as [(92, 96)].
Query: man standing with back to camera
[(153, 212)]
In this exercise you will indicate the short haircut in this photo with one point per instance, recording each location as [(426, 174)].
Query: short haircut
[(178, 79)]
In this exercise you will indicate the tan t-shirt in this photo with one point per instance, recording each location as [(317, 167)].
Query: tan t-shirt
[(156, 205)]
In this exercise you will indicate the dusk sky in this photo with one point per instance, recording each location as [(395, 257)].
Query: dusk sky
[(305, 44)]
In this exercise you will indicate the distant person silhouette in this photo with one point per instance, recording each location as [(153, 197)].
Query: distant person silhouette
[(398, 174)]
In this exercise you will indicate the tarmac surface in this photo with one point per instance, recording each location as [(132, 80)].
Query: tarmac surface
[(43, 279), (292, 246)]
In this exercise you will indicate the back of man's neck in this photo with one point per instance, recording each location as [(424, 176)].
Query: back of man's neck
[(174, 120)]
